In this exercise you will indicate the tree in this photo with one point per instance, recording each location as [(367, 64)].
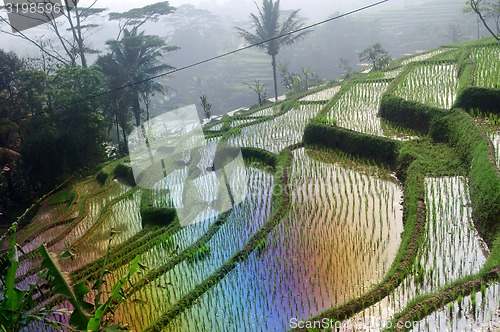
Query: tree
[(260, 89), (493, 12), (207, 107), (345, 67), (454, 32), (135, 18), (376, 55), (271, 33), (297, 83), (70, 33), (11, 182), (485, 9), (116, 103), (139, 56), (70, 136)]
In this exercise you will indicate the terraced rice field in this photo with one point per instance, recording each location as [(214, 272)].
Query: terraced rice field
[(487, 70), (276, 134), (323, 95), (493, 132), (393, 73), (338, 240), (357, 108), (477, 312), (423, 56), (451, 250), (435, 85), (315, 229)]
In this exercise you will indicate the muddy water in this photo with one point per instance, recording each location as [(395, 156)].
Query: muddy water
[(339, 238), (452, 249)]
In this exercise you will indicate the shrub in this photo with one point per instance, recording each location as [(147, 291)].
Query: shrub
[(483, 98), (472, 147), (410, 114), (352, 142), (102, 177), (156, 216), (264, 156), (126, 173)]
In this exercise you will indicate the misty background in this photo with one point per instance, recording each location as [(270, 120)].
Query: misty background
[(206, 29)]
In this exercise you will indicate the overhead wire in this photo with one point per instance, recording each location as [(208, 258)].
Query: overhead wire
[(176, 70)]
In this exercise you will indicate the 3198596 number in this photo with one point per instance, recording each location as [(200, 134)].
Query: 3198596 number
[(33, 8)]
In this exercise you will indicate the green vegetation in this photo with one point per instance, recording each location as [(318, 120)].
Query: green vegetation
[(322, 191), (352, 142), (273, 32)]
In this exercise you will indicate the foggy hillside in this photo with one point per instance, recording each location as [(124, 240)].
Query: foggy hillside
[(402, 27)]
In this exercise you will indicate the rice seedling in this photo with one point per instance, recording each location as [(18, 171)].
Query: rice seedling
[(452, 248), (240, 122), (125, 221), (265, 112), (476, 312), (491, 125), (217, 127), (322, 254), (93, 207), (323, 95), (276, 134), (495, 138), (393, 73), (434, 85), (487, 70), (244, 221), (422, 57), (357, 109)]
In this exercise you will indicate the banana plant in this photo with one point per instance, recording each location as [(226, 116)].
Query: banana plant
[(85, 316), (16, 305)]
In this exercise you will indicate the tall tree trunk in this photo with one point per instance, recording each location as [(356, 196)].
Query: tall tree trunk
[(274, 76), (81, 46), (76, 31), (136, 107), (125, 142), (118, 131)]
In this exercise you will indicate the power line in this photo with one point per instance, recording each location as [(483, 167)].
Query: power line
[(206, 60)]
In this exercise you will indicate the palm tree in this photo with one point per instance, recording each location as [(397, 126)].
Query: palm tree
[(271, 32), (139, 55)]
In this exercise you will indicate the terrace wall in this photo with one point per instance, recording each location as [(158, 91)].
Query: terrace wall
[(374, 147), (471, 96), (459, 130)]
